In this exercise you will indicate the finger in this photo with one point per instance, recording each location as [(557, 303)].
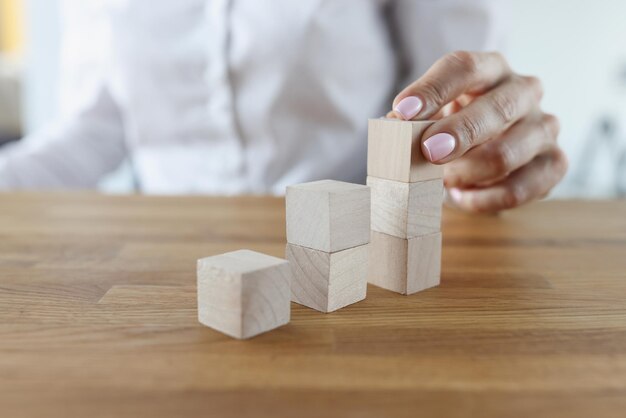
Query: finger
[(447, 110), (486, 117), (495, 159), (391, 115), (531, 182), (451, 76)]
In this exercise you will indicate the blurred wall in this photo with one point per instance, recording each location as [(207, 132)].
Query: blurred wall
[(577, 47), (41, 63)]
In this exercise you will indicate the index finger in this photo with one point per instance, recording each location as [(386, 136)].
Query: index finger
[(451, 76)]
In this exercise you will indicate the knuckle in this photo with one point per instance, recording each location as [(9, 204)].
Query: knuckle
[(534, 84), (501, 159), (470, 130), (505, 107), (561, 161), (464, 60), (513, 196), (499, 57), (435, 91), (550, 125), (501, 60)]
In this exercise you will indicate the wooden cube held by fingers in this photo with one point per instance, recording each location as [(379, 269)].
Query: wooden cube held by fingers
[(394, 151)]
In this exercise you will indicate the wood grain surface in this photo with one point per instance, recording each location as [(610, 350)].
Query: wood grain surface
[(402, 265), (98, 317), (406, 210), (328, 281)]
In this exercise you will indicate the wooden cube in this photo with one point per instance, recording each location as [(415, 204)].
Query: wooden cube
[(243, 293), (328, 281), (328, 215), (404, 265), (406, 210), (394, 151)]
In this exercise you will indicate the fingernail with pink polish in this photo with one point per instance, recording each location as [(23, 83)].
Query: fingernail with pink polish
[(439, 146), (409, 107)]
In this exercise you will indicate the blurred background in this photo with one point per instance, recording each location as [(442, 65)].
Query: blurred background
[(576, 47)]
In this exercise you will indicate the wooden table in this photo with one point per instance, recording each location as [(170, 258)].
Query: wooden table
[(98, 317)]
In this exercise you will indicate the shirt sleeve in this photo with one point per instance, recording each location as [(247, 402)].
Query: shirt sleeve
[(425, 30), (88, 140)]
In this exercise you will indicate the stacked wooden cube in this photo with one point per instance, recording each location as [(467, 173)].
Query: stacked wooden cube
[(328, 224), (339, 237), (407, 196)]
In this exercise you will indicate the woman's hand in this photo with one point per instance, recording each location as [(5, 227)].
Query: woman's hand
[(499, 148)]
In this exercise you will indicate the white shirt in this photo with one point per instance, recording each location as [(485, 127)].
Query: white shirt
[(234, 96)]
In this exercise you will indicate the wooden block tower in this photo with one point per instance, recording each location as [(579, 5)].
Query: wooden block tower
[(407, 196), (328, 231)]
